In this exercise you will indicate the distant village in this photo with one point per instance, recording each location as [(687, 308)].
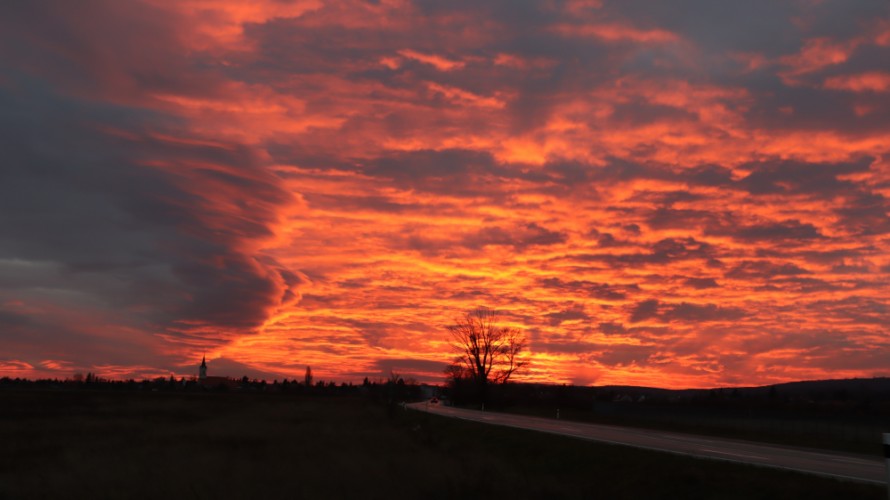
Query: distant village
[(864, 396), (203, 381)]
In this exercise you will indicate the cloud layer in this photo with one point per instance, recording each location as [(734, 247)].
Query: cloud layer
[(654, 197)]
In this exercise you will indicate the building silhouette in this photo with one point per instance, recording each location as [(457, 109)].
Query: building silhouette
[(209, 382)]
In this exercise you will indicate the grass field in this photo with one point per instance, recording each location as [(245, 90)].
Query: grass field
[(231, 445), (845, 434)]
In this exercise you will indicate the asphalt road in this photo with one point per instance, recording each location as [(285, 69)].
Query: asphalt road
[(823, 463)]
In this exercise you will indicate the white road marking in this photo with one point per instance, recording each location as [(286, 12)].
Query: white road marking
[(812, 462), (850, 460), (674, 437), (756, 457)]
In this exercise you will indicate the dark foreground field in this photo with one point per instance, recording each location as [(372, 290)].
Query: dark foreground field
[(230, 445)]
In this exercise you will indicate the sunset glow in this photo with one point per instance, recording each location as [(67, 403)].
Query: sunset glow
[(653, 197)]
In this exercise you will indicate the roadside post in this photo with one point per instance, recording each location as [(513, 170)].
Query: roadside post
[(887, 459)]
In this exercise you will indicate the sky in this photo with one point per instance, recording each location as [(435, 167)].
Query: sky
[(676, 194)]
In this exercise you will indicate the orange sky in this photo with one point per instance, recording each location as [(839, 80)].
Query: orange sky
[(653, 197)]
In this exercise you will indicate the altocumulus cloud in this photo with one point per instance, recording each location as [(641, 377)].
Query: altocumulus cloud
[(657, 197)]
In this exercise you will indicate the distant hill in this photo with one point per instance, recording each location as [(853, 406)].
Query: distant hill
[(837, 390), (877, 388), (819, 389)]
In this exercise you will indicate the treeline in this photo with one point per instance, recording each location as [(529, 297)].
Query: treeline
[(173, 384), (393, 391), (841, 397)]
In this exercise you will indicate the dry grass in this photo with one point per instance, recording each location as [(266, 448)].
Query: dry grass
[(160, 445)]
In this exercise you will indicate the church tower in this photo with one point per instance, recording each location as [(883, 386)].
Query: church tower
[(202, 372)]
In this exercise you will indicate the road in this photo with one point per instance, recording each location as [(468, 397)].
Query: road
[(823, 463)]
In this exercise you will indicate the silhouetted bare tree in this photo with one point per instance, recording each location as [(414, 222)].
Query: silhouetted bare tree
[(489, 353), (395, 392)]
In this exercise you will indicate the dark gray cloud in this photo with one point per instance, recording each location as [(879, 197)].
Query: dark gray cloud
[(788, 177), (702, 283), (98, 48), (644, 310), (575, 312), (857, 309), (687, 312), (80, 205), (722, 26), (603, 291), (661, 252), (671, 218), (521, 237), (763, 270), (866, 214), (612, 328), (625, 355), (775, 231)]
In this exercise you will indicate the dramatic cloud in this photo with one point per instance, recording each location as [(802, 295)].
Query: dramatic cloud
[(683, 194)]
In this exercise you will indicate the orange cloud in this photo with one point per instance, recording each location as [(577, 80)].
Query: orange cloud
[(330, 184), (816, 54), (616, 33), (864, 82), (436, 61)]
